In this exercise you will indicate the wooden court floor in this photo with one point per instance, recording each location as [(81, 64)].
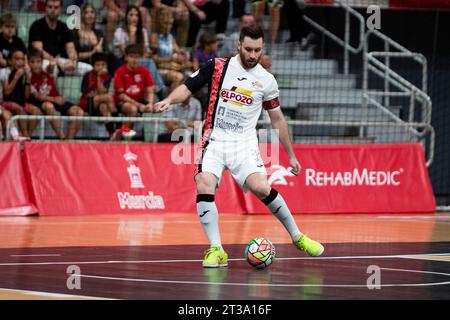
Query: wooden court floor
[(158, 257)]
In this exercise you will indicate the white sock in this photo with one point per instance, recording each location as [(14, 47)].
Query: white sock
[(209, 218), (279, 208)]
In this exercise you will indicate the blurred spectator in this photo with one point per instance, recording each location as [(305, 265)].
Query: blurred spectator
[(274, 7), (8, 38), (132, 32), (129, 35), (207, 49), (15, 81), (116, 10), (56, 40), (238, 8), (68, 3), (180, 15), (39, 5), (89, 40), (44, 94), (205, 12), (96, 99), (299, 30), (189, 114), (4, 5), (133, 85), (228, 47), (266, 62), (170, 60)]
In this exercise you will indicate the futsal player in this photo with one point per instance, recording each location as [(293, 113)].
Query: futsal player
[(239, 87)]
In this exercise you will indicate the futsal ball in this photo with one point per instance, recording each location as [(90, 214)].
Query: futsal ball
[(260, 253)]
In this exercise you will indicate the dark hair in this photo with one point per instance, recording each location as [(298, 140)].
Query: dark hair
[(35, 53), (207, 38), (86, 6), (7, 18), (252, 31), (60, 2), (14, 50), (134, 49), (139, 32), (99, 56), (245, 15)]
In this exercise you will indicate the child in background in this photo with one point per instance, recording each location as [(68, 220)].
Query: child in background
[(8, 38), (133, 85), (45, 94), (207, 49), (96, 99), (16, 81)]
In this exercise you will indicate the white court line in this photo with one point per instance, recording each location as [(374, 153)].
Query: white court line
[(283, 285), (406, 256), (35, 255), (49, 294), (268, 219)]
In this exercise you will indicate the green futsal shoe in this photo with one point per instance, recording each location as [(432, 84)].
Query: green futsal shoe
[(215, 257), (313, 248)]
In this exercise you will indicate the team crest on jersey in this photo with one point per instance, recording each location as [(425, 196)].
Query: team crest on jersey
[(257, 85), (137, 78), (237, 96)]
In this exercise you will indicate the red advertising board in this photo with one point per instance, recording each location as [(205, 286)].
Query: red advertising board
[(420, 4), (113, 178), (14, 196), (384, 178), (110, 178)]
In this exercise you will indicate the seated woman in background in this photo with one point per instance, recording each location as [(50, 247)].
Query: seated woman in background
[(89, 40), (114, 10), (180, 14), (171, 61), (133, 33)]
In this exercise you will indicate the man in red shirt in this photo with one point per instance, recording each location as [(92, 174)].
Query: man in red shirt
[(133, 85), (45, 95)]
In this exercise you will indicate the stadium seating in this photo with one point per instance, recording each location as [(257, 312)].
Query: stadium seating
[(24, 21), (70, 88), (150, 129)]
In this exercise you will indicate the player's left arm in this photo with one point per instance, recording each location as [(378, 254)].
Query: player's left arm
[(280, 125), (271, 103)]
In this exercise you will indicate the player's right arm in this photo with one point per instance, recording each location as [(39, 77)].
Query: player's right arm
[(178, 95), (194, 83)]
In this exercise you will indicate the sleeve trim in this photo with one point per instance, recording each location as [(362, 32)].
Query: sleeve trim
[(271, 104)]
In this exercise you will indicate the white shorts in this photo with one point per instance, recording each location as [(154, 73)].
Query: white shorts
[(241, 158)]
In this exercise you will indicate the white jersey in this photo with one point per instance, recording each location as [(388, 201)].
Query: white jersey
[(237, 97)]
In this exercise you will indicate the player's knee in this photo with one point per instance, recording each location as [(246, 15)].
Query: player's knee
[(205, 184), (261, 191)]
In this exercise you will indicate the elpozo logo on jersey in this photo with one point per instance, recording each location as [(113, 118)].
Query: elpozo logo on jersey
[(237, 96)]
